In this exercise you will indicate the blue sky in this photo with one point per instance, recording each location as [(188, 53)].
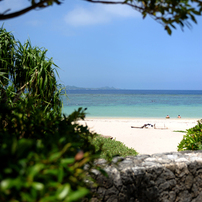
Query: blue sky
[(101, 45)]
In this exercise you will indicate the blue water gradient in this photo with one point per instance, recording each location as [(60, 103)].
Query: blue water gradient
[(135, 103)]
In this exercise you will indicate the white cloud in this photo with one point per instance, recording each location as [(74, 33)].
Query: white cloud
[(81, 16), (120, 11), (98, 14)]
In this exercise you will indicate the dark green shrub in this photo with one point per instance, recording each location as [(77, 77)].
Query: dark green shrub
[(193, 139), (43, 155)]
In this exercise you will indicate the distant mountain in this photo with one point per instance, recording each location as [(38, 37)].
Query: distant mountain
[(81, 88)]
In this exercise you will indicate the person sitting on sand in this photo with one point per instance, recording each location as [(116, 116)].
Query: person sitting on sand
[(167, 117), (147, 125), (179, 117)]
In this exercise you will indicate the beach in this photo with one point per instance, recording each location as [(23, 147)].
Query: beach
[(144, 140)]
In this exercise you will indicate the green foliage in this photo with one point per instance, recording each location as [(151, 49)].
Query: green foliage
[(193, 139), (111, 148), (180, 131), (26, 72), (43, 155), (169, 13)]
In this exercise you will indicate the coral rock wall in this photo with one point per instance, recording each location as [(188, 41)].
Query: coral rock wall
[(166, 177)]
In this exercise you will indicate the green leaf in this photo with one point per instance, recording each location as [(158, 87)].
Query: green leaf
[(14, 145), (51, 171), (34, 170), (78, 194), (38, 186), (60, 174), (54, 156), (67, 161), (63, 191), (168, 30), (6, 184), (193, 18)]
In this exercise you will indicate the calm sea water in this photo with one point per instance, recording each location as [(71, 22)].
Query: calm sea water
[(135, 103)]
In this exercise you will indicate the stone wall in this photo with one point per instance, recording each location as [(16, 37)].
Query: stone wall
[(165, 177)]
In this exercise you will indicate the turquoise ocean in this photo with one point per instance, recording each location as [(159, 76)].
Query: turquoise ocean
[(135, 103)]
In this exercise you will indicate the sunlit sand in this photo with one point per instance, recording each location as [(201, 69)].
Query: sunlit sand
[(143, 140)]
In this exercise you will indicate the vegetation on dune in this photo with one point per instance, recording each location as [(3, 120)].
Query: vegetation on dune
[(111, 148), (193, 138)]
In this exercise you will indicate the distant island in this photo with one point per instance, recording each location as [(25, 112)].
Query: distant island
[(81, 88)]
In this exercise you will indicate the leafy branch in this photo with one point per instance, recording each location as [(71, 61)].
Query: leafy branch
[(41, 4), (166, 12)]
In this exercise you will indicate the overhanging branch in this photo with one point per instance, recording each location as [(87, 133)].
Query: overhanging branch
[(23, 11)]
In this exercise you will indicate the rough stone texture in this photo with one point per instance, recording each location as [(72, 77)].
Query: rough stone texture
[(166, 177)]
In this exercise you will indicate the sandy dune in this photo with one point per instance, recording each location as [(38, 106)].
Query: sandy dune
[(144, 141)]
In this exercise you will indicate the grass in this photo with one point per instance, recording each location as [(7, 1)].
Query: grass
[(111, 148), (180, 131)]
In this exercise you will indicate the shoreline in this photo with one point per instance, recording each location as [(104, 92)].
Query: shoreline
[(143, 140), (140, 118), (129, 117)]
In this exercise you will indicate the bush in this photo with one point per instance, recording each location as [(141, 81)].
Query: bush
[(43, 155), (111, 148), (193, 139)]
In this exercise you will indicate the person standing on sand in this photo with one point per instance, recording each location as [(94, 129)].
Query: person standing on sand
[(167, 117), (179, 117)]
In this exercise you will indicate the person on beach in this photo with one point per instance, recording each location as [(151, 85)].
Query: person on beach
[(167, 117), (179, 117)]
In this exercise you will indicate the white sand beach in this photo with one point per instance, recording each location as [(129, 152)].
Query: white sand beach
[(144, 141)]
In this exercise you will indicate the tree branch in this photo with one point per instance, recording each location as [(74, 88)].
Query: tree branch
[(20, 91), (23, 11)]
